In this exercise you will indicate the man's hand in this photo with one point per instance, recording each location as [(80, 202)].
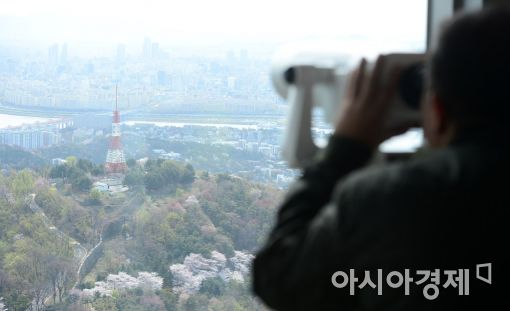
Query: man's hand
[(366, 105)]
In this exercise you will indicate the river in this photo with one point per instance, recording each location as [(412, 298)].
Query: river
[(9, 120)]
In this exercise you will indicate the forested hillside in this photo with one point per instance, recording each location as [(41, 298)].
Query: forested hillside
[(36, 260), (176, 240)]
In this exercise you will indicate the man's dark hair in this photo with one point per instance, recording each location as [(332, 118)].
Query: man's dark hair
[(470, 69)]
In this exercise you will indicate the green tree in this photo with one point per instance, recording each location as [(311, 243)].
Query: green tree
[(188, 174), (170, 172), (212, 286), (84, 165), (23, 183), (170, 299), (98, 170), (153, 181), (71, 160), (196, 302), (131, 162), (81, 183), (74, 172), (134, 177), (105, 304), (151, 163), (95, 196), (59, 171)]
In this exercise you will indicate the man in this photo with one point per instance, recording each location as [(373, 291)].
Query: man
[(447, 209)]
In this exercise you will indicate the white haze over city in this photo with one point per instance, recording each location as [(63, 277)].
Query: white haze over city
[(95, 27)]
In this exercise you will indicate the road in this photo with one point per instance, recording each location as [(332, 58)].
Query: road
[(78, 272)]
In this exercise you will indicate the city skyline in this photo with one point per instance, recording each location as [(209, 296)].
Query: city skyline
[(95, 28)]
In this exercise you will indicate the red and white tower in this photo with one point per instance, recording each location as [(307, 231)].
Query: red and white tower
[(115, 160)]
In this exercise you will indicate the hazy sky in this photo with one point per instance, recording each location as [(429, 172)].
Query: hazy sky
[(202, 22)]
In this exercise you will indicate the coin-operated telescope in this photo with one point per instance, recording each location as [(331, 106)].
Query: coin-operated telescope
[(321, 80)]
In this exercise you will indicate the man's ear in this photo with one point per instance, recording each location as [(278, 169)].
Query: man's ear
[(439, 121)]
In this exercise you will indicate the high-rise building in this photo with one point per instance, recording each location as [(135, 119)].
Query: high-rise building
[(155, 50), (29, 138), (243, 55), (230, 56), (115, 160), (63, 54), (53, 55), (147, 48), (162, 77), (121, 53), (231, 83)]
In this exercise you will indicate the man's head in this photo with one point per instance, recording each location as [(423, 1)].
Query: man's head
[(469, 76)]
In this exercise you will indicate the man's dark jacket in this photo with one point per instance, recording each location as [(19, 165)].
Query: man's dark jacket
[(447, 209)]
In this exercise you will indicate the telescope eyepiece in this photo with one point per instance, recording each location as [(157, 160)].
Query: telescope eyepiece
[(290, 75)]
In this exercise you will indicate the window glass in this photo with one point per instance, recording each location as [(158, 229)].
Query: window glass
[(140, 142)]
